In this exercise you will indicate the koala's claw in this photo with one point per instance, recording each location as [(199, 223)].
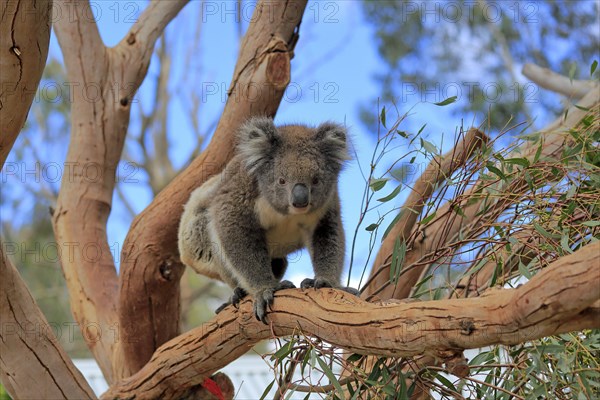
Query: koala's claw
[(236, 297), (264, 299), (318, 283)]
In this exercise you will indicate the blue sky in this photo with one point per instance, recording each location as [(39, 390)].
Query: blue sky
[(332, 76)]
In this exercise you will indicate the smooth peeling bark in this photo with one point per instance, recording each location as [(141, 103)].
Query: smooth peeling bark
[(98, 130)]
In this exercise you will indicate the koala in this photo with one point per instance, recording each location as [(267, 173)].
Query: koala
[(277, 195)]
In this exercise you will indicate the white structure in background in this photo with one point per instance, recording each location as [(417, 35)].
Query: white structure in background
[(91, 372), (250, 375)]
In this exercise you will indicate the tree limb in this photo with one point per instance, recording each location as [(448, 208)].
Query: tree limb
[(149, 306), (564, 297), (548, 79), (24, 39), (32, 362), (98, 129)]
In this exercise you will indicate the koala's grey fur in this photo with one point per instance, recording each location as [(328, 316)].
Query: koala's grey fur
[(277, 195)]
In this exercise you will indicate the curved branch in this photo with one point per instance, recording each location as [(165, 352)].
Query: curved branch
[(24, 39), (153, 21), (560, 84), (150, 268), (562, 298), (31, 359)]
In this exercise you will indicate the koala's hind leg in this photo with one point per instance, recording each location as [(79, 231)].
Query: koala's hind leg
[(238, 292)]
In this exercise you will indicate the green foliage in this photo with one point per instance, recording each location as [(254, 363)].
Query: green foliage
[(531, 209), (3, 394), (472, 53)]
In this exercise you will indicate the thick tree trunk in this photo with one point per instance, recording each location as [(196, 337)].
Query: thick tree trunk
[(126, 321), (150, 267), (32, 363)]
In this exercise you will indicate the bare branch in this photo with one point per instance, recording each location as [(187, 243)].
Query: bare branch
[(31, 359), (98, 130), (554, 82), (83, 50), (24, 38), (151, 24), (562, 298)]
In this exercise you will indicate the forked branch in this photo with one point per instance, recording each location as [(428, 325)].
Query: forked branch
[(98, 130)]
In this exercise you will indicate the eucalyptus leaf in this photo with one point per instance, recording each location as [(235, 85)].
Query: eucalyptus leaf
[(391, 195), (329, 373), (447, 101)]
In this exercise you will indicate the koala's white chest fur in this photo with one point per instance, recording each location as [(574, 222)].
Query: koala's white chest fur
[(285, 232)]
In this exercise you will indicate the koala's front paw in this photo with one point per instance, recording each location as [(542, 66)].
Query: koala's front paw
[(236, 297), (318, 283), (264, 298)]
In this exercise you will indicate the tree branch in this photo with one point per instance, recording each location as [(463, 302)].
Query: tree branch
[(32, 361), (562, 298), (149, 307), (98, 129), (574, 89), (24, 39), (151, 24), (83, 50)]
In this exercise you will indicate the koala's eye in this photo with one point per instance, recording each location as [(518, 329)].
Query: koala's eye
[(281, 181), (315, 181)]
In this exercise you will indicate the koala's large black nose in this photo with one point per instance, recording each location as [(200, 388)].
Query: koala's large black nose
[(300, 195)]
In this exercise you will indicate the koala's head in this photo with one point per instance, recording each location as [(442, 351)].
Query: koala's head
[(296, 166)]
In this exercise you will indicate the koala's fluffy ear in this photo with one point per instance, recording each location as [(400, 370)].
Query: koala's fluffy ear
[(257, 139), (334, 143)]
